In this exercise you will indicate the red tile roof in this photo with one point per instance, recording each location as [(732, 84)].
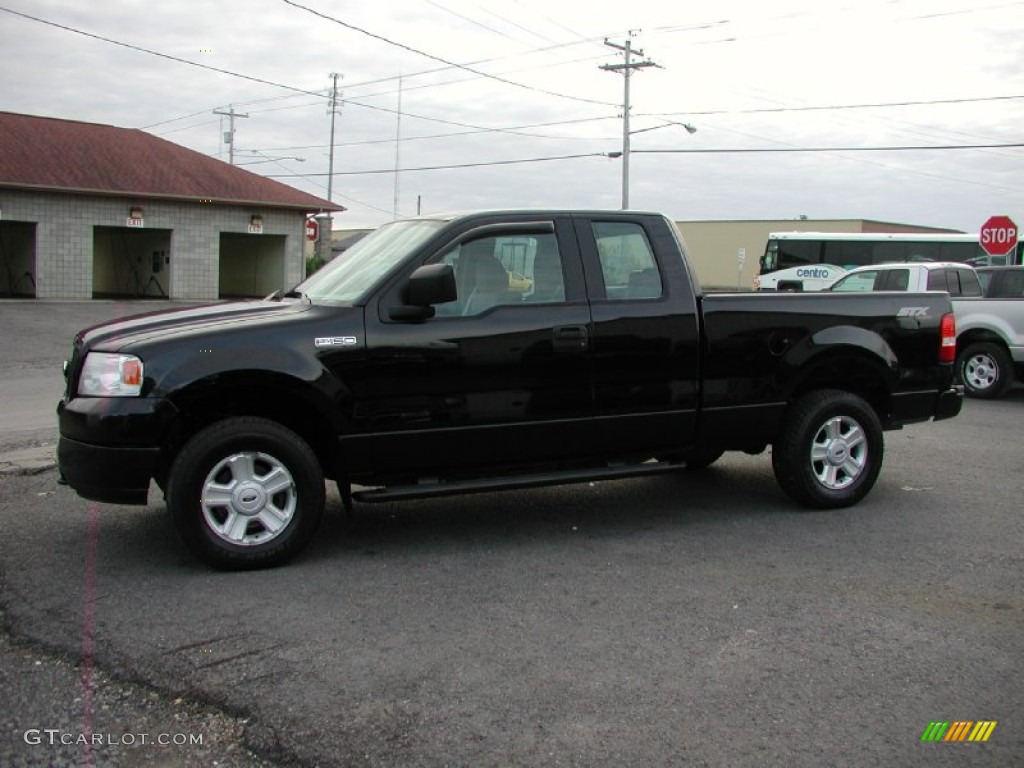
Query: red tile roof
[(91, 158)]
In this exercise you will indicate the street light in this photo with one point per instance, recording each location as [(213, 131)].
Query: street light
[(690, 129)]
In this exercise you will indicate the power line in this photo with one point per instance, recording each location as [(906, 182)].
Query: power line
[(825, 107), (157, 53), (440, 59), (390, 79), (426, 86), (472, 21), (467, 133), (737, 150), (434, 119), (445, 167), (755, 150)]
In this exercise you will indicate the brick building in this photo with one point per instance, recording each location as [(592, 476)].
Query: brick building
[(92, 211)]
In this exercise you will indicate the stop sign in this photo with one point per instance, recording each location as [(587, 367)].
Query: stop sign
[(998, 235), (312, 228)]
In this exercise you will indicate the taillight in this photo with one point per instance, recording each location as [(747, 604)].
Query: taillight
[(947, 347)]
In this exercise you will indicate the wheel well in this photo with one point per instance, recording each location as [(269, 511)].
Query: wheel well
[(858, 374), (275, 403), (978, 335)]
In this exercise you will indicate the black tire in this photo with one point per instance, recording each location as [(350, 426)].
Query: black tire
[(830, 450), (985, 369), (265, 475)]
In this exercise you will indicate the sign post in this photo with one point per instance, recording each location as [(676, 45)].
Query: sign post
[(998, 235)]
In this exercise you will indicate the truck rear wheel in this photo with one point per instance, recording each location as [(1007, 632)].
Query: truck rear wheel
[(985, 370), (830, 450), (246, 492)]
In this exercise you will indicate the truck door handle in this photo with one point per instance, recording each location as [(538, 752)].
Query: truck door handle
[(571, 338)]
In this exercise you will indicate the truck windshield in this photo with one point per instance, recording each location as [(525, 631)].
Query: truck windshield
[(354, 273)]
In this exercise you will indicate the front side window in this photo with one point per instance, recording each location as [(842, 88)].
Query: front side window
[(499, 270), (627, 261), (861, 281)]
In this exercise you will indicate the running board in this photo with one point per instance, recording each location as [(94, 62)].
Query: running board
[(512, 482)]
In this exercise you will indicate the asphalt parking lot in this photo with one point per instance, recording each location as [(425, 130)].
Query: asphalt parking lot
[(699, 619)]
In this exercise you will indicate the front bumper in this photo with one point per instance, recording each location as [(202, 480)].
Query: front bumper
[(109, 448), (102, 473)]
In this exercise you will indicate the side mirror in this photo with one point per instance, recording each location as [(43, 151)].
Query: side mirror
[(428, 285)]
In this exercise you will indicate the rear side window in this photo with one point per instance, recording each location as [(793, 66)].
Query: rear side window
[(969, 283), (893, 280), (937, 280), (627, 261)]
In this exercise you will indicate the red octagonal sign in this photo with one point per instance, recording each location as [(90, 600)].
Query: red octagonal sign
[(998, 235)]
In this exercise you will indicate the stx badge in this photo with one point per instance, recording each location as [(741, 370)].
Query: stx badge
[(912, 312)]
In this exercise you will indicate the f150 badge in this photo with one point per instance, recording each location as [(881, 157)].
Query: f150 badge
[(912, 312), (335, 341)]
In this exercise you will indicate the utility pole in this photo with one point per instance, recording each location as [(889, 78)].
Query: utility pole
[(326, 221), (333, 106), (626, 68), (398, 144), (229, 137)]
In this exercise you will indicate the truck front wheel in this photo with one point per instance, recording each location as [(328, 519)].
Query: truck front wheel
[(829, 452), (246, 492), (985, 370)]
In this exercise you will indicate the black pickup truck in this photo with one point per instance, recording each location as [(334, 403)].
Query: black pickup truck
[(493, 350)]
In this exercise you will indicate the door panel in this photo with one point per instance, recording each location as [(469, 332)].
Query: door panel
[(646, 339), (501, 376)]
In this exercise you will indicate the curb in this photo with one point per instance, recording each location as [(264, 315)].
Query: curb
[(28, 461)]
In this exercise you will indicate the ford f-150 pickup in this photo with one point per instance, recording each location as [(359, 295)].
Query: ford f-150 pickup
[(493, 350), (991, 333)]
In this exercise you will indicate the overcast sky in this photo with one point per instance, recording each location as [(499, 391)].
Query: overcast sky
[(789, 74)]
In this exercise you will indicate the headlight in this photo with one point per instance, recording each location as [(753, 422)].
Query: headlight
[(110, 375)]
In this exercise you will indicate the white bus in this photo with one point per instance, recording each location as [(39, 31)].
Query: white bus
[(811, 261)]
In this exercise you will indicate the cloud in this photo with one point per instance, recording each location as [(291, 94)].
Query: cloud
[(730, 57)]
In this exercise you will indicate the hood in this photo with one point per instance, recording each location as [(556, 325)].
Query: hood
[(118, 334)]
